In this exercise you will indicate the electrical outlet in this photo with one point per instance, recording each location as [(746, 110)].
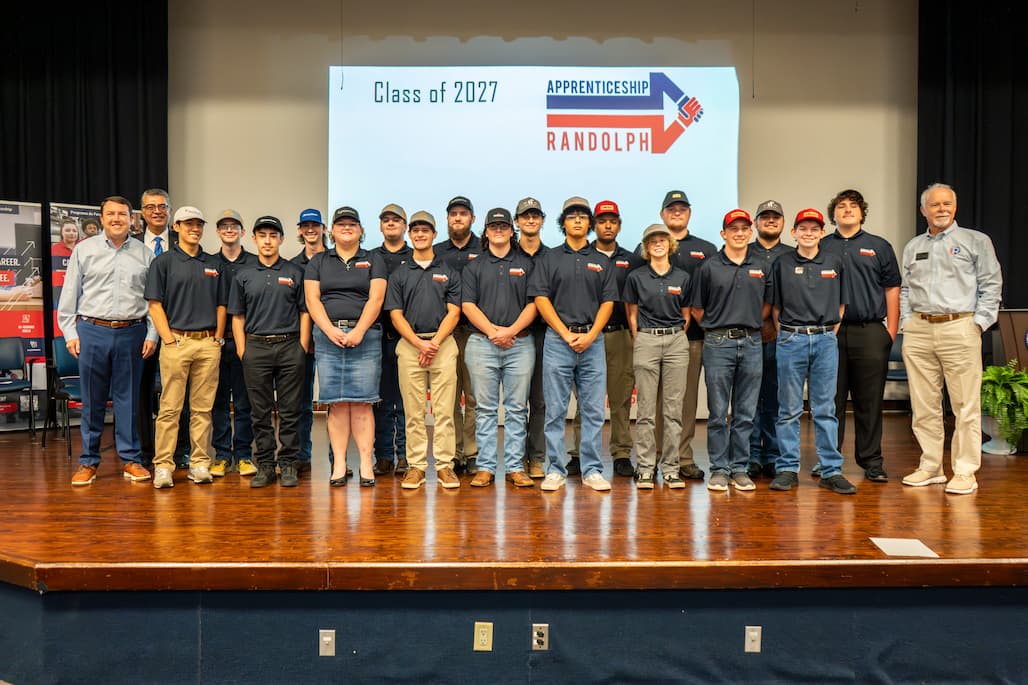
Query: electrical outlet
[(752, 640), (483, 636), (540, 637), (326, 642)]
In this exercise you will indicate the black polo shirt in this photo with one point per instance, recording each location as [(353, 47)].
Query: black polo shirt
[(302, 260), (189, 288), (538, 324), (269, 297), (423, 294), (345, 284), (498, 285), (458, 257), (809, 291), (576, 281), (660, 298), (766, 257), (231, 268), (691, 253), (730, 295), (394, 259), (871, 267), (624, 262)]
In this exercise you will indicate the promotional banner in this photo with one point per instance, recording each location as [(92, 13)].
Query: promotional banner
[(421, 135)]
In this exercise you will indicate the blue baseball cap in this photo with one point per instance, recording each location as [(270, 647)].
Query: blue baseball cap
[(310, 215)]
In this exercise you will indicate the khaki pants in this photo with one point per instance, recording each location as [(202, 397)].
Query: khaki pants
[(692, 394), (415, 381), (617, 345), (194, 362), (464, 422), (660, 361), (950, 353)]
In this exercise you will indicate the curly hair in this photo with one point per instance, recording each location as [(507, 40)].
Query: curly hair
[(853, 196)]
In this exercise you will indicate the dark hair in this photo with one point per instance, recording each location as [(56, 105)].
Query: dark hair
[(116, 199), (853, 196), (513, 238), (564, 214)]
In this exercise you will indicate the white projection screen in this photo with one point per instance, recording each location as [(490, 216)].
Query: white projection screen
[(418, 136)]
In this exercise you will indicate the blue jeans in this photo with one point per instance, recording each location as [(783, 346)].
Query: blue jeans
[(815, 359), (513, 368), (587, 372), (390, 428), (731, 368), (764, 439), (233, 431)]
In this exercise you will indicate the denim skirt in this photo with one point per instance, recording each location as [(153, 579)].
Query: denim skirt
[(348, 374)]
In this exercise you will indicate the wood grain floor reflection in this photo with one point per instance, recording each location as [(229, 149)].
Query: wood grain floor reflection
[(116, 534)]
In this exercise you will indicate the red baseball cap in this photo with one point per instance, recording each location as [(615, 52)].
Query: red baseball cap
[(607, 207), (809, 214), (735, 215)]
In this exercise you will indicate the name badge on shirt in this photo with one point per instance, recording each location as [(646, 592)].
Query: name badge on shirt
[(210, 272), (756, 273), (828, 273), (362, 265), (594, 267), (623, 263), (440, 278), (696, 254), (285, 280), (516, 271), (867, 252), (920, 256), (674, 289)]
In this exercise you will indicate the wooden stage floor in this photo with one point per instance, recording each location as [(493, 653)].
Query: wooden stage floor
[(118, 535)]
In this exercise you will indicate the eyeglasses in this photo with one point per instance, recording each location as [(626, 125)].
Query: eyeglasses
[(576, 215), (156, 208), (229, 226)]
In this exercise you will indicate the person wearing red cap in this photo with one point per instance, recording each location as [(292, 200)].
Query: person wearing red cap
[(806, 297), (728, 302), (617, 345)]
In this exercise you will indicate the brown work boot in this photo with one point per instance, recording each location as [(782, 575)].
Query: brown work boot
[(413, 479), (447, 478), (535, 469), (135, 472), (519, 479), (84, 476), (482, 479)]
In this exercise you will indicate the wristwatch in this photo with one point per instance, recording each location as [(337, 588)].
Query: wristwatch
[(220, 341)]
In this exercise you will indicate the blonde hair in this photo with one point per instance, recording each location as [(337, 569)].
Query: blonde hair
[(672, 245)]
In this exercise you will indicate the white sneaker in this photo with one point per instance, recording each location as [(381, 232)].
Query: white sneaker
[(553, 481), (162, 479), (200, 474), (596, 481)]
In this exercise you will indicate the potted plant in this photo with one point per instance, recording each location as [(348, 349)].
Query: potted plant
[(1005, 400)]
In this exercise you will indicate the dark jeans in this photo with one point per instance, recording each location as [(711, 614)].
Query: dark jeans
[(535, 444), (863, 368), (732, 368), (268, 367), (764, 439), (232, 430), (390, 428)]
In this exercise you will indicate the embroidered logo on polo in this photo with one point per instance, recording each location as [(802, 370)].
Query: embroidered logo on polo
[(696, 254), (285, 280), (472, 256), (867, 252), (756, 273), (674, 289), (362, 265), (210, 272), (828, 273), (594, 267), (623, 263), (440, 278), (516, 271)]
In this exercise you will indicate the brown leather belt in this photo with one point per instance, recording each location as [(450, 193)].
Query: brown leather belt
[(943, 318), (108, 323), (195, 335)]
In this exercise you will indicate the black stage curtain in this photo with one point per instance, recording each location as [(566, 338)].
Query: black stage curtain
[(83, 100), (971, 123)]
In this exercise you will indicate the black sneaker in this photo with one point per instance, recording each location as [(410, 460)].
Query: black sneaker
[(644, 480), (574, 467), (264, 477), (769, 470), (786, 480), (691, 472), (288, 476), (623, 467), (458, 466), (754, 469), (471, 465), (876, 474), (838, 484)]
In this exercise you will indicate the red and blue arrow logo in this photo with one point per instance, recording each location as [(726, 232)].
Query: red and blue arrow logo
[(687, 111)]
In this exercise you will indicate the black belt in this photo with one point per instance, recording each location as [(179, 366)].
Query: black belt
[(808, 330), (112, 323), (346, 323), (613, 328), (662, 331), (580, 329), (272, 338), (731, 333), (426, 336), (862, 324)]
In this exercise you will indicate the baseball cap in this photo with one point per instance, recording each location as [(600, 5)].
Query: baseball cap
[(770, 206), (674, 196), (422, 217), (393, 209), (655, 229), (229, 214), (310, 215), (346, 213), (186, 213), (268, 221), (607, 207), (498, 215), (575, 202), (809, 214), (528, 204), (734, 215), (460, 201)]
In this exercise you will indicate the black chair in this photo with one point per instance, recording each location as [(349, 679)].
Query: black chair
[(897, 370), (12, 358)]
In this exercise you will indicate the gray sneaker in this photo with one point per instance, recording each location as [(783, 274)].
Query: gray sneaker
[(742, 481), (200, 474), (162, 479), (717, 482)]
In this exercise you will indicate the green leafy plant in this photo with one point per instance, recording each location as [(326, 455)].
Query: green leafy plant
[(1005, 398)]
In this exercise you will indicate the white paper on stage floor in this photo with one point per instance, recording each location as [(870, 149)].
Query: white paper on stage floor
[(904, 547)]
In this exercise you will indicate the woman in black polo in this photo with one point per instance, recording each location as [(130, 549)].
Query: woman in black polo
[(345, 288)]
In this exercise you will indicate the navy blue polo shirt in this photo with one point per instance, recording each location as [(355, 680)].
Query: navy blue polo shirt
[(498, 285), (871, 267), (809, 291), (691, 253), (189, 288), (394, 259), (231, 268), (731, 295), (301, 260), (539, 324), (766, 257), (660, 298), (345, 284), (269, 297), (624, 262), (423, 294), (458, 257), (576, 281)]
